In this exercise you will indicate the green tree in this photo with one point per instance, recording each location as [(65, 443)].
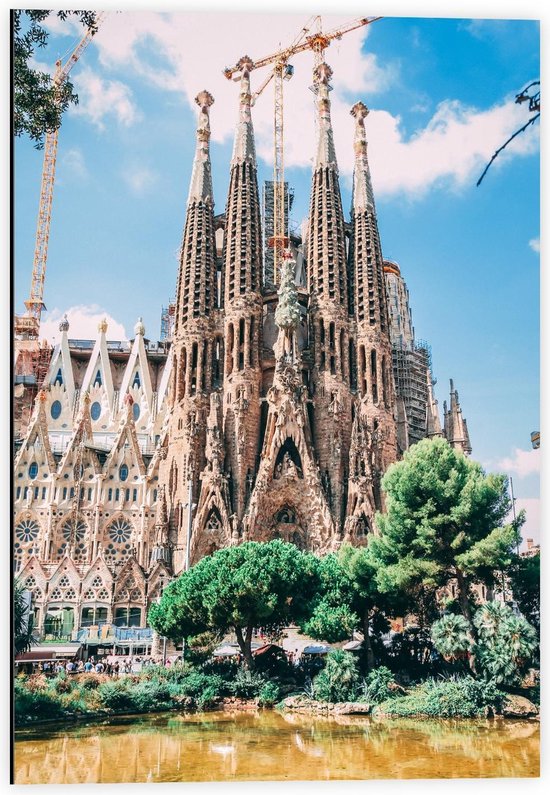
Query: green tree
[(22, 620), (524, 577), (349, 599), (238, 588), (443, 522), (38, 104)]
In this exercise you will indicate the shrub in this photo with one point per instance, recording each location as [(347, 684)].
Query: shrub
[(376, 687), (196, 683), (116, 695), (246, 683), (452, 698), (92, 681), (269, 694), (37, 704), (150, 695), (339, 679), (62, 683)]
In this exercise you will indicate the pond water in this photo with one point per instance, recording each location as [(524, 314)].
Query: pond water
[(266, 745)]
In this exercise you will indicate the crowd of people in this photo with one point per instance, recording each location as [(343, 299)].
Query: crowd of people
[(111, 665)]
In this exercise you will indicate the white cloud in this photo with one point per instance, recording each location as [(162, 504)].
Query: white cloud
[(83, 322), (535, 244), (139, 178), (74, 162), (522, 463), (451, 150), (99, 98)]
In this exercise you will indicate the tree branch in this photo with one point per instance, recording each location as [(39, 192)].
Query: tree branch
[(525, 126)]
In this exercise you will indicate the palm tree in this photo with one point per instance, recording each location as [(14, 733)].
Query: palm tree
[(22, 620), (451, 637)]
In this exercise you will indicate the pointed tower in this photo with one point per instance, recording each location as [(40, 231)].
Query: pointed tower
[(242, 301), (197, 342), (455, 428), (329, 318), (433, 423), (373, 355)]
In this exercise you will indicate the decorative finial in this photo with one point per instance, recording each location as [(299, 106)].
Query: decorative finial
[(139, 328), (322, 74), (103, 326), (64, 325), (360, 112), (204, 100)]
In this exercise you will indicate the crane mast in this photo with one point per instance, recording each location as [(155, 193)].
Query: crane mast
[(282, 70), (27, 326)]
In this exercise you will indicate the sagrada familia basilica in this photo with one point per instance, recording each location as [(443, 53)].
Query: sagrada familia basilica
[(272, 412)]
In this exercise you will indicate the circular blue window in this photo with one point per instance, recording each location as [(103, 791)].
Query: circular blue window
[(33, 470), (55, 410), (123, 472), (95, 410), (136, 411)]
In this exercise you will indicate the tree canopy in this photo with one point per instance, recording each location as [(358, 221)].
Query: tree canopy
[(38, 104), (22, 620), (238, 588), (524, 577), (444, 521)]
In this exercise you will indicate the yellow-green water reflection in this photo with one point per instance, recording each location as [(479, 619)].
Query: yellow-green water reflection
[(221, 746)]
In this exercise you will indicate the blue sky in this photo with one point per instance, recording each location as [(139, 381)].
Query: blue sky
[(441, 97)]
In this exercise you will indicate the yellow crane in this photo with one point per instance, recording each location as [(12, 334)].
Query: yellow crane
[(317, 41), (27, 326)]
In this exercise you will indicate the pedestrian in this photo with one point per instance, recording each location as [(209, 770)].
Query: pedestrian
[(88, 666), (99, 667), (71, 667), (80, 667)]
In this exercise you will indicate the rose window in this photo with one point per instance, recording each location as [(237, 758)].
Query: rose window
[(97, 582), (123, 595), (120, 531), (27, 530), (74, 531), (70, 594), (56, 595), (89, 596), (64, 582), (103, 595), (135, 596), (30, 582)]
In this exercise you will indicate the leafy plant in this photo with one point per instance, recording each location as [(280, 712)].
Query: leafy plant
[(269, 694), (451, 636), (247, 684), (451, 698), (339, 679), (376, 687)]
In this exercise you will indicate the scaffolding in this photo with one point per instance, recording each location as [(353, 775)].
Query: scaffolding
[(268, 212), (411, 365)]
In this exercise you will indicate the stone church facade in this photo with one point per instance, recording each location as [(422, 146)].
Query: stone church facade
[(272, 413)]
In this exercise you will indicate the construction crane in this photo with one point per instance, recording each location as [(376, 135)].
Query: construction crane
[(27, 326), (282, 70)]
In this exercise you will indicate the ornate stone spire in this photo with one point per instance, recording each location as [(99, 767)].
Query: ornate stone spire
[(433, 424), (64, 325), (161, 549), (242, 250), (244, 147), (201, 179), (326, 250), (196, 293), (369, 293), (455, 428), (363, 196), (325, 142)]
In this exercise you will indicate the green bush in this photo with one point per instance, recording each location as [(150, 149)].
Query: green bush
[(196, 683), (339, 679), (116, 695), (246, 684), (269, 694), (450, 698), (451, 636), (376, 687), (34, 704)]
